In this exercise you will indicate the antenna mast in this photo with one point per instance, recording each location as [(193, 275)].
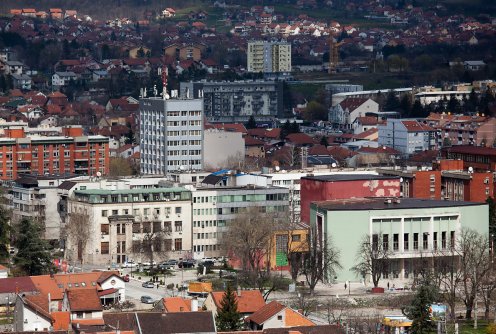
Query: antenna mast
[(165, 73)]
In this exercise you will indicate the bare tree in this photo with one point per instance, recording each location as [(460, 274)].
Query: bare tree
[(475, 264), (372, 257), (446, 271), (77, 232), (304, 303), (322, 260), (151, 241)]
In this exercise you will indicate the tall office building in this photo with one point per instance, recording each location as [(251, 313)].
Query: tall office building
[(269, 57), (171, 135)]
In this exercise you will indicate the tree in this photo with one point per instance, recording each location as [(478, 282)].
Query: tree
[(77, 234), (119, 167), (322, 260), (33, 257), (418, 311), (252, 124), (373, 257), (228, 317), (392, 101), (315, 111), (152, 240), (492, 215), (4, 233)]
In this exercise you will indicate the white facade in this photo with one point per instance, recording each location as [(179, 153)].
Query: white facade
[(427, 98), (345, 113), (120, 220), (62, 78), (400, 135), (222, 148), (27, 319), (213, 208), (269, 57), (171, 134)]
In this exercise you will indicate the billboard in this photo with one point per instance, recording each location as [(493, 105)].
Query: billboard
[(438, 312)]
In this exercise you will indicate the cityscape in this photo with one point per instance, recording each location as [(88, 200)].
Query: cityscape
[(272, 167)]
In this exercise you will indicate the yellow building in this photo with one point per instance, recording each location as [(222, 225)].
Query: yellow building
[(294, 242), (269, 57)]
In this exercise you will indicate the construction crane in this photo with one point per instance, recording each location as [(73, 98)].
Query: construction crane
[(333, 53)]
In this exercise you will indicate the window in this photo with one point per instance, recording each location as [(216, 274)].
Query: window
[(415, 241), (405, 241), (157, 227), (178, 210), (296, 237), (385, 241), (104, 228), (279, 317), (121, 228), (178, 244), (104, 247), (168, 245), (104, 213), (147, 227), (79, 315), (396, 241), (425, 240), (452, 239), (178, 226), (136, 228), (435, 240), (168, 227), (443, 240)]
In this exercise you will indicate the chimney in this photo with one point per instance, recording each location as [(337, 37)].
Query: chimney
[(239, 291), (194, 304)]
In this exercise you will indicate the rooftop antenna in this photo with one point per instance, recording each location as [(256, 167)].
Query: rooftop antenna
[(141, 92), (155, 92), (165, 73), (144, 92), (187, 93)]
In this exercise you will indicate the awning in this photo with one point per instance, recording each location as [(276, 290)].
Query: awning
[(107, 292)]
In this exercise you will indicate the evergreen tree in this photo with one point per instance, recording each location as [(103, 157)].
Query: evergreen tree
[(392, 102), (453, 105), (285, 130), (294, 127), (33, 257), (228, 317), (405, 105), (252, 124), (323, 141), (417, 109), (4, 234), (418, 311)]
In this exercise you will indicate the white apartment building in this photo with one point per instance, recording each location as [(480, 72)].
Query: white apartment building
[(122, 220), (213, 208), (408, 136), (269, 57), (171, 134)]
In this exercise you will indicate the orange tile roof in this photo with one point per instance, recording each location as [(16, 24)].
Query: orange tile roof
[(84, 300), (47, 285), (265, 313), (78, 280), (177, 304), (62, 320), (249, 301), (39, 303), (294, 318), (90, 322)]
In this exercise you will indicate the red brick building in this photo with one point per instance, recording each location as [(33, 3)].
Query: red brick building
[(477, 157), (71, 152), (345, 186), (446, 181)]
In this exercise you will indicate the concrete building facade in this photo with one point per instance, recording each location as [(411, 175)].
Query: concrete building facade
[(269, 57), (237, 101), (222, 148), (171, 135), (416, 231), (407, 136)]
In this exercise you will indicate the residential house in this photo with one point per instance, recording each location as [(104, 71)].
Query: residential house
[(34, 314), (249, 301), (474, 65), (177, 304), (343, 114), (13, 67), (84, 306), (21, 81), (184, 51), (168, 12), (60, 79), (158, 322), (364, 123), (276, 315)]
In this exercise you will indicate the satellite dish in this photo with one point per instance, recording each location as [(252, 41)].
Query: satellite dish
[(277, 168), (471, 169), (98, 174), (334, 165), (181, 167)]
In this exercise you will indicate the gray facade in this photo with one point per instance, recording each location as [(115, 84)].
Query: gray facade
[(237, 101), (171, 135)]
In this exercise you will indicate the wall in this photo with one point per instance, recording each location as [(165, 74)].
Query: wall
[(222, 149), (34, 321), (315, 190), (427, 184)]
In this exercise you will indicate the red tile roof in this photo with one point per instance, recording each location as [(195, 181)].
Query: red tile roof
[(250, 141), (351, 103), (84, 300), (299, 138), (249, 301), (234, 127), (16, 284), (415, 126), (47, 285), (367, 120), (177, 304), (266, 312)]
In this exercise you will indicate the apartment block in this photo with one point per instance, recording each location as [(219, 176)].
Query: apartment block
[(408, 136), (269, 57), (214, 208), (237, 101), (70, 152), (171, 135)]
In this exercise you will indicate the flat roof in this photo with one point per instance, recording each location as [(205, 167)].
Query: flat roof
[(129, 191), (349, 177), (380, 203)]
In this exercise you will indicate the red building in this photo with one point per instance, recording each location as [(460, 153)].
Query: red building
[(71, 152), (479, 158), (446, 181), (345, 186)]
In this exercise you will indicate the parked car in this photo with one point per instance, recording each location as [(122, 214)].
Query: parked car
[(148, 264), (172, 261), (148, 284), (125, 278), (186, 264), (208, 263), (165, 265), (129, 264), (147, 300)]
